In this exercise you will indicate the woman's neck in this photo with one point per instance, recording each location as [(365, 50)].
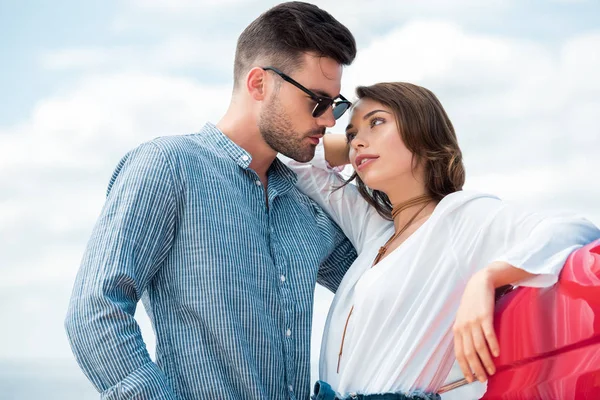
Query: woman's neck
[(408, 199)]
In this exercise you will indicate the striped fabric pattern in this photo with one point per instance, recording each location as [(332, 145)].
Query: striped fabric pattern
[(227, 281)]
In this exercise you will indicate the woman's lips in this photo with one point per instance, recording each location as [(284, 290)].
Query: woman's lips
[(365, 163)]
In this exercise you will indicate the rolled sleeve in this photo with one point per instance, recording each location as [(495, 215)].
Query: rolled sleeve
[(546, 247), (536, 242)]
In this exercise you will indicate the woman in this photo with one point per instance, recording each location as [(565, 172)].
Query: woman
[(420, 296)]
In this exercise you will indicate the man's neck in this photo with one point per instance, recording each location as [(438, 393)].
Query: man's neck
[(244, 132)]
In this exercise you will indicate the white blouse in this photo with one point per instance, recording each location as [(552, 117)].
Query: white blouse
[(399, 336)]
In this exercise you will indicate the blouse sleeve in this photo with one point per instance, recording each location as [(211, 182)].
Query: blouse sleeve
[(538, 243), (358, 219)]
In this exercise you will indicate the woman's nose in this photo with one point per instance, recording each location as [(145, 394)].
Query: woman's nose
[(358, 142)]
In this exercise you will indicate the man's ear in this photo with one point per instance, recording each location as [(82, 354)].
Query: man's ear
[(256, 83)]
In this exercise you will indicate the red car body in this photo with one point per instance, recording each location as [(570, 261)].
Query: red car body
[(550, 338)]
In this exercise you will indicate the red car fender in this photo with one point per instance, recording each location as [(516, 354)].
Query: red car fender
[(550, 337)]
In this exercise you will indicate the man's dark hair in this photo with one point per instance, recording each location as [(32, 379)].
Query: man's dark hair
[(282, 34)]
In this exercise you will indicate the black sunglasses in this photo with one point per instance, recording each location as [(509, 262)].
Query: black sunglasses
[(323, 103)]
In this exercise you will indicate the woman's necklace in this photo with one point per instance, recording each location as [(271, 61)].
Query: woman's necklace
[(415, 201)]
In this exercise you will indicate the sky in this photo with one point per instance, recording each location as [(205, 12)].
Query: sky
[(84, 82)]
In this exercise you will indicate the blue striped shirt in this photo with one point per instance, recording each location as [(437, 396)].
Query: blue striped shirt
[(227, 281)]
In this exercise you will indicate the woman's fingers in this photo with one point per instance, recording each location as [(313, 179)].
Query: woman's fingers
[(460, 356), (472, 356), (474, 338), (490, 336), (482, 350)]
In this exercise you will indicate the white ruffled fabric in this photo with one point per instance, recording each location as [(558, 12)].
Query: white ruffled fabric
[(399, 337)]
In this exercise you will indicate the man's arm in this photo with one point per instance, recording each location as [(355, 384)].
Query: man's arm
[(131, 239), (333, 269)]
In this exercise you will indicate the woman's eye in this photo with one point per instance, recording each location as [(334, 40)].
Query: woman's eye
[(350, 136), (376, 121)]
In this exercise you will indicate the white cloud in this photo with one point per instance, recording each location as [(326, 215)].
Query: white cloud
[(104, 115), (367, 21), (381, 8), (515, 104), (581, 62), (216, 54), (185, 5), (570, 1), (442, 54), (173, 53), (77, 58), (34, 317)]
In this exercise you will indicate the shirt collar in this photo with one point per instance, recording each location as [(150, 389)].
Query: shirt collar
[(284, 173), (223, 144)]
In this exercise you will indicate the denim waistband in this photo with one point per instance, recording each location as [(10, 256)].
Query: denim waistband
[(324, 391)]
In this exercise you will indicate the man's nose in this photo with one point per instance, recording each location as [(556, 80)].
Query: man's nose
[(326, 119)]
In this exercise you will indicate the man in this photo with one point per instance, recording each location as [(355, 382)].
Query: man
[(210, 232)]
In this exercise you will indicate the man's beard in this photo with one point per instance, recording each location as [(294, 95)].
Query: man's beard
[(276, 129)]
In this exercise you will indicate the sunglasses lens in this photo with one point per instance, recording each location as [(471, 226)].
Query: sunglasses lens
[(340, 108), (321, 107)]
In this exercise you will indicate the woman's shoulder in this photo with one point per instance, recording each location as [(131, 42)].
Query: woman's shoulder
[(467, 211), (467, 201)]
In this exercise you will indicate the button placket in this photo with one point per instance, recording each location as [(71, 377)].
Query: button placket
[(285, 291), (288, 312)]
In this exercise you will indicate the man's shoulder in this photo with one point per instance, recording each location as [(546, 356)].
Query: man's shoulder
[(182, 151), (175, 155), (176, 145)]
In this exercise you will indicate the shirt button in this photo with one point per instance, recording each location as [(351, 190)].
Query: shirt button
[(258, 183), (288, 333), (245, 157), (282, 278), (291, 388)]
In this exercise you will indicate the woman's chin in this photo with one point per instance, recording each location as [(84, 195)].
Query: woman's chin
[(371, 183)]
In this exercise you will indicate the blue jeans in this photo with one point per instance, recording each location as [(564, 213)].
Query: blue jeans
[(323, 391)]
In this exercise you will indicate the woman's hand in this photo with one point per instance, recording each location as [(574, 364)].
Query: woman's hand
[(474, 338)]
